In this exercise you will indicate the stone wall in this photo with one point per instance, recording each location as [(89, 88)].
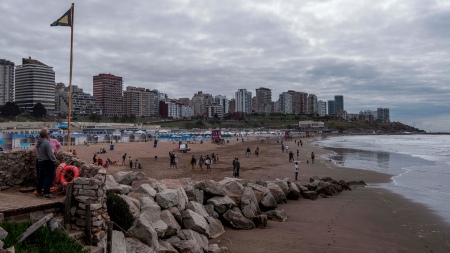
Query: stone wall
[(17, 168)]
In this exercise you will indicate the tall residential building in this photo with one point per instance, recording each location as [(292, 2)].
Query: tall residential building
[(285, 103), (184, 101), (82, 103), (331, 107), (108, 91), (299, 102), (153, 98), (232, 106), (6, 81), (264, 100), (199, 101), (383, 115), (133, 102), (213, 110), (243, 100), (339, 103), (322, 105), (313, 107), (224, 102), (35, 83)]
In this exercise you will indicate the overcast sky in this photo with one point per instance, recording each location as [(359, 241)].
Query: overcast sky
[(385, 53)]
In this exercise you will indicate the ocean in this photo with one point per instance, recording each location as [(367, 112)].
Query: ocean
[(419, 164)]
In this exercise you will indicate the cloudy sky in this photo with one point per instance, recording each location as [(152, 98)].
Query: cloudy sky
[(384, 53)]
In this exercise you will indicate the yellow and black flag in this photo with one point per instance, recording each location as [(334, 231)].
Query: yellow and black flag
[(65, 20)]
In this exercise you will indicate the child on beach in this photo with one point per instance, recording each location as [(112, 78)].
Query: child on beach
[(296, 170)]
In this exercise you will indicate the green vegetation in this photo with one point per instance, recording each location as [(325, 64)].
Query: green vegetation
[(119, 211), (42, 241)]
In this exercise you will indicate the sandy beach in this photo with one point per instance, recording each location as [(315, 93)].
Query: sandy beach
[(367, 219)]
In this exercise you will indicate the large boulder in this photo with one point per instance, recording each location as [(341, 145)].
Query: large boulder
[(211, 212), (294, 192), (186, 183), (199, 239), (143, 230), (312, 195), (160, 228), (268, 202), (136, 246), (196, 222), (249, 204), (276, 215), (277, 193), (215, 227), (176, 214), (134, 204), (260, 191), (155, 184), (151, 208), (198, 208), (210, 188), (128, 177), (221, 204), (214, 248), (119, 244), (111, 185), (172, 225), (125, 189), (260, 221), (172, 197), (282, 184), (146, 189), (234, 190), (236, 220), (188, 246), (166, 247)]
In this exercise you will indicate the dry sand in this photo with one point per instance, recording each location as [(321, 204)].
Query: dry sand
[(367, 219)]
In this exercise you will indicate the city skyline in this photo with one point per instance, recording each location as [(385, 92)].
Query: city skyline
[(378, 54)]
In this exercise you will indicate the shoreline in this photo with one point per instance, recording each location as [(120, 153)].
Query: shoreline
[(367, 219)]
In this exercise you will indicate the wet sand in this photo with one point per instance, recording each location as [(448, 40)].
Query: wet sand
[(367, 219)]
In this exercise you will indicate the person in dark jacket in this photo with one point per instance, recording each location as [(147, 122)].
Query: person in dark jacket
[(236, 167), (46, 164)]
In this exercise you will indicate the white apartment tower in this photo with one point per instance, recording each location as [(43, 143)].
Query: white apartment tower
[(6, 81), (35, 83), (285, 103), (243, 100)]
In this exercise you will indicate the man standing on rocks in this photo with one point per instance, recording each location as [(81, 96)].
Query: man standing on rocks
[(296, 170), (46, 164)]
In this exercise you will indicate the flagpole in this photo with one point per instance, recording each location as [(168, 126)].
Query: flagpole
[(70, 78)]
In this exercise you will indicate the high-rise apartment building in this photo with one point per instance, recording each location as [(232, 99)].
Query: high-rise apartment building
[(243, 100), (224, 102), (6, 81), (35, 83), (313, 107), (322, 105), (199, 101), (285, 103), (82, 103), (153, 98), (383, 115), (331, 107), (299, 102), (133, 102), (264, 100), (232, 106), (108, 91), (339, 103)]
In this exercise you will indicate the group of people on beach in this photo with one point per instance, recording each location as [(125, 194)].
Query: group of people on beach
[(204, 161)]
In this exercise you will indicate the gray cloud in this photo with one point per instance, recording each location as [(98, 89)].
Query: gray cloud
[(376, 53)]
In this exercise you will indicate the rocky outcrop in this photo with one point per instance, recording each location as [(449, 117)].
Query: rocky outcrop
[(236, 220)]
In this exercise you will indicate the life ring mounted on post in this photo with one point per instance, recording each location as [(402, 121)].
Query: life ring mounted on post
[(68, 174)]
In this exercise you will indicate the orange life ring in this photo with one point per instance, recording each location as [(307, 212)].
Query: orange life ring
[(58, 172), (71, 171)]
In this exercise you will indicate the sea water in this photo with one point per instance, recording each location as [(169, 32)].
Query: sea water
[(419, 164)]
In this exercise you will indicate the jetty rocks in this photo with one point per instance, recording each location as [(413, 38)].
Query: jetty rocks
[(180, 215)]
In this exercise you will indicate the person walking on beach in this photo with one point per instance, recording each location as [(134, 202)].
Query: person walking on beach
[(257, 151), (291, 156), (248, 152), (201, 162), (236, 167), (193, 162), (130, 161), (175, 161), (282, 148), (312, 157), (46, 164), (123, 158), (296, 170), (298, 153), (136, 164), (301, 143), (208, 163)]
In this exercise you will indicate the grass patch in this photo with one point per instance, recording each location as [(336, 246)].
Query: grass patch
[(43, 240)]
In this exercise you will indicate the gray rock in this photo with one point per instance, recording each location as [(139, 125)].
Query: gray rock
[(294, 192), (172, 197), (147, 190), (268, 202), (277, 193), (119, 244), (237, 220), (282, 184), (188, 246), (166, 247), (210, 188), (198, 196), (195, 222), (260, 221), (210, 210), (134, 204), (150, 208), (160, 228), (199, 239), (125, 189), (276, 215), (143, 230), (176, 214), (221, 204), (173, 239), (172, 225), (234, 190), (3, 234), (198, 208), (214, 248), (249, 204), (215, 227), (128, 177), (155, 184), (136, 246), (111, 185), (312, 195)]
